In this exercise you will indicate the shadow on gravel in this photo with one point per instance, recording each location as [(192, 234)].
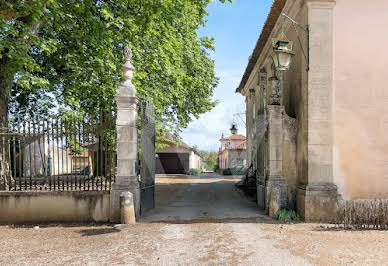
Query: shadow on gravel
[(98, 231), (261, 220), (32, 225)]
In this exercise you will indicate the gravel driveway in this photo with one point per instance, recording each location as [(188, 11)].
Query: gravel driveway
[(199, 221)]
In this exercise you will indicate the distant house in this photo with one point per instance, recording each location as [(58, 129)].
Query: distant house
[(82, 161), (39, 156), (233, 152), (176, 158), (95, 160)]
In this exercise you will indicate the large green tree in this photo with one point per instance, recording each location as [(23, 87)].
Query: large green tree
[(68, 53)]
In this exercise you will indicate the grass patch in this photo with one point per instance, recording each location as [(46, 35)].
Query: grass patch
[(286, 215)]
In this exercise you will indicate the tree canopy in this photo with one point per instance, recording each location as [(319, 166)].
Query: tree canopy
[(67, 54), (209, 159)]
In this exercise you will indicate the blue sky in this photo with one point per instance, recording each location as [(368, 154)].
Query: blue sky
[(236, 28)]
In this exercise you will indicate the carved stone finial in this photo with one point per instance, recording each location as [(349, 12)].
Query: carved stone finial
[(128, 53), (127, 87)]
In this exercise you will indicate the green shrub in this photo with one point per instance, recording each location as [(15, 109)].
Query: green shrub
[(194, 171), (218, 170), (286, 215), (226, 171)]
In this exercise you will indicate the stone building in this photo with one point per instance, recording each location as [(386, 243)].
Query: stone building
[(319, 130), (232, 153)]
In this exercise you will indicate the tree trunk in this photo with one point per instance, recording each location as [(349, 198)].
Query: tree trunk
[(6, 81), (7, 73)]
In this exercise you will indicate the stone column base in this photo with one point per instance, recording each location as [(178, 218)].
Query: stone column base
[(317, 202), (275, 196), (261, 196), (115, 201)]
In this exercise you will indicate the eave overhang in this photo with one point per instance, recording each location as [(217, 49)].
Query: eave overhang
[(266, 32)]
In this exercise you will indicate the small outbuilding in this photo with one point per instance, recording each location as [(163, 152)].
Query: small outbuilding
[(176, 158)]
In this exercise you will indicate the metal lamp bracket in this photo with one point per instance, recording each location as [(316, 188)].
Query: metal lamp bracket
[(306, 29)]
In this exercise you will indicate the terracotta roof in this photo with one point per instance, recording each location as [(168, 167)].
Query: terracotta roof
[(235, 137), (272, 18)]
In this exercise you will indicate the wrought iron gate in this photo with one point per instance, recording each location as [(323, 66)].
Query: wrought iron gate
[(147, 156), (57, 154)]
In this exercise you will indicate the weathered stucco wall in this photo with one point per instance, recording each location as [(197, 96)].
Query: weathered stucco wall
[(295, 95), (295, 154), (44, 207), (361, 98)]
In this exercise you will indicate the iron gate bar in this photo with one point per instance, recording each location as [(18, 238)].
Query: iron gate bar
[(57, 154), (147, 165)]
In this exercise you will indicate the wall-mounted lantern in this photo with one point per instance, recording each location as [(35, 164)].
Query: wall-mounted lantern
[(283, 47), (283, 53)]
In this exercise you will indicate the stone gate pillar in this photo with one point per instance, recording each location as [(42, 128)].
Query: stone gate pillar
[(261, 154), (276, 186), (317, 194), (126, 128)]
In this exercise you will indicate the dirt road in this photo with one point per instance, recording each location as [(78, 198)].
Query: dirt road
[(200, 221)]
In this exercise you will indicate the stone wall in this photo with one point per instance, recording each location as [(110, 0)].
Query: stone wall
[(250, 100), (289, 158), (54, 206), (295, 95)]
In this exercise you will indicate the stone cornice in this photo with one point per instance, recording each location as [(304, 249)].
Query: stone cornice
[(321, 3)]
